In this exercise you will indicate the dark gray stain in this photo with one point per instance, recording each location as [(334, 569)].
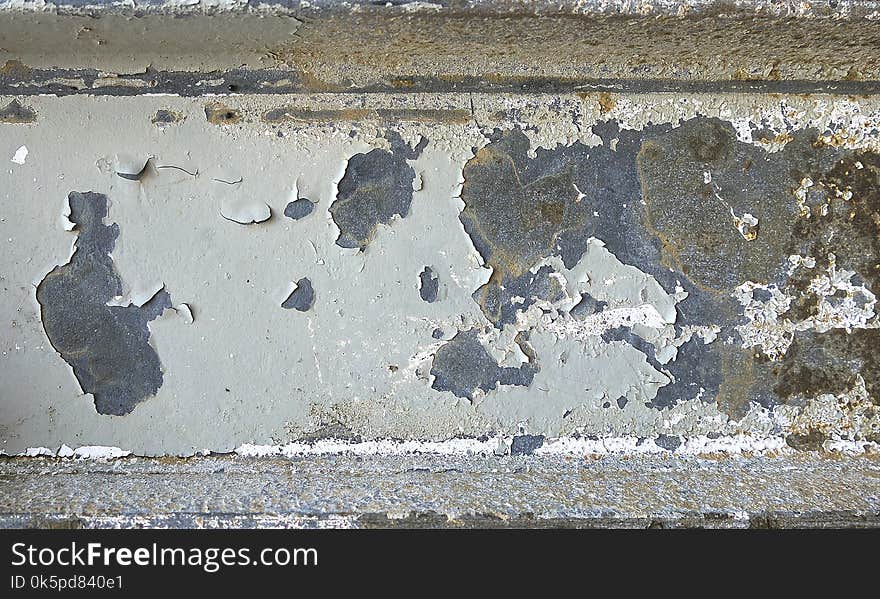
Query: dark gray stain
[(462, 365), (166, 117), (429, 285), (706, 245), (299, 208), (302, 297), (106, 346), (16, 113), (437, 333), (526, 444), (668, 442), (376, 187), (516, 210), (26, 81)]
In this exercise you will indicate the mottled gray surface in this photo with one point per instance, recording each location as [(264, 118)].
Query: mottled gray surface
[(448, 491)]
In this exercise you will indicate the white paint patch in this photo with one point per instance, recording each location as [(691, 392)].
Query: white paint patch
[(596, 324), (20, 155), (85, 452), (563, 446)]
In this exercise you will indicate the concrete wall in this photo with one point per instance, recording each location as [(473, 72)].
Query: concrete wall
[(197, 262)]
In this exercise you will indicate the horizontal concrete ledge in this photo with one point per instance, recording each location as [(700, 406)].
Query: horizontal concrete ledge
[(497, 45), (347, 491), (838, 9)]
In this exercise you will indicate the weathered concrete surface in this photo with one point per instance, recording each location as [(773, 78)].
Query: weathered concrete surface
[(800, 490), (485, 263), (681, 268), (540, 229), (280, 46)]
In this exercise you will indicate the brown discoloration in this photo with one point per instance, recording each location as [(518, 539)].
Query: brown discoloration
[(220, 114), (809, 441), (15, 68), (16, 113), (607, 102), (818, 363), (844, 220)]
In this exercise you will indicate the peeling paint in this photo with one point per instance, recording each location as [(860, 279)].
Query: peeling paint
[(464, 367), (106, 346), (376, 187)]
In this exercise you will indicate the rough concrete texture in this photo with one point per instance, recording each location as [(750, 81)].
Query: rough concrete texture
[(677, 268), (221, 46), (348, 491)]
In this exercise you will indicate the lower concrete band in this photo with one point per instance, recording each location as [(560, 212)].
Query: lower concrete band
[(802, 490)]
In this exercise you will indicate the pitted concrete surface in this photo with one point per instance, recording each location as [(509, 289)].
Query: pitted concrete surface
[(346, 491), (650, 266)]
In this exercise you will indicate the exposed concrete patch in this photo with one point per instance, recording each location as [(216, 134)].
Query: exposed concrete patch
[(299, 208), (429, 285), (464, 367), (302, 297), (377, 186), (165, 117), (106, 346), (525, 444)]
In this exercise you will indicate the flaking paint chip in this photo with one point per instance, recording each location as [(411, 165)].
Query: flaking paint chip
[(245, 211), (20, 155), (130, 167)]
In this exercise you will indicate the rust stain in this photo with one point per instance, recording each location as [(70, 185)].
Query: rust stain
[(607, 102), (15, 68)]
